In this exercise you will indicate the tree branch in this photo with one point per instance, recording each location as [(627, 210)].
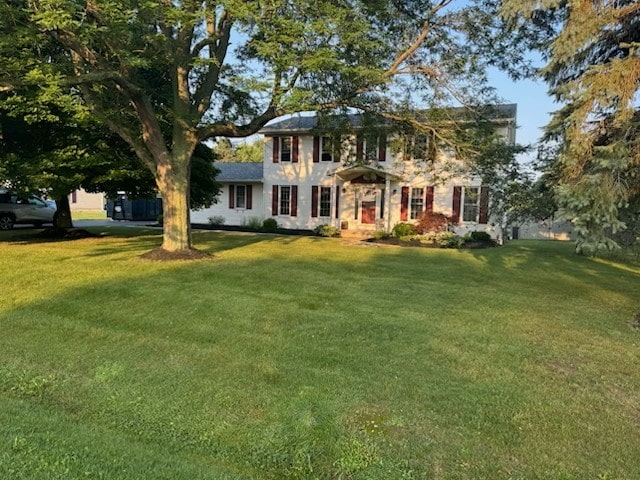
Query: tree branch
[(408, 52), (218, 37)]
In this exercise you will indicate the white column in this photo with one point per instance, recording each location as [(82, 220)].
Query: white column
[(387, 199)]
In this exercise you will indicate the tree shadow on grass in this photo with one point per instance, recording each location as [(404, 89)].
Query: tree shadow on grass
[(280, 353)]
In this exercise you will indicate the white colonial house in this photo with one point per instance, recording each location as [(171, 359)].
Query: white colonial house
[(359, 183)]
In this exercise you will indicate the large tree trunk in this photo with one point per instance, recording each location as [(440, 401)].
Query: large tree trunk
[(173, 184), (62, 219)]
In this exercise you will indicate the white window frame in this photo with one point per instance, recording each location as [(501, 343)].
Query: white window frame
[(284, 208), (467, 193), (283, 141), (243, 204), (416, 203), (327, 149), (327, 202)]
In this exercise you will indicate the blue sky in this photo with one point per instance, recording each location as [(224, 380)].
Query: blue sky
[(534, 105)]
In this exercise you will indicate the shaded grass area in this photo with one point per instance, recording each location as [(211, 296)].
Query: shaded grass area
[(297, 357)]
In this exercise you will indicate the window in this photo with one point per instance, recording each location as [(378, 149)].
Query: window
[(285, 200), (241, 196), (285, 149), (325, 201), (417, 202), (36, 202), (328, 149), (371, 147), (416, 147), (471, 204)]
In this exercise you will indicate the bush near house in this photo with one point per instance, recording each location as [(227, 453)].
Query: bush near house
[(216, 220), (326, 230), (269, 225), (401, 230), (432, 222)]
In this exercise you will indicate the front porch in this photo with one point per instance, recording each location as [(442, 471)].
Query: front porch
[(368, 197)]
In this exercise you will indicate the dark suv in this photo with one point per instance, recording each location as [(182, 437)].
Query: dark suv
[(27, 209)]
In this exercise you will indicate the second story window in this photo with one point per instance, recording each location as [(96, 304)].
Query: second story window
[(328, 149), (285, 149)]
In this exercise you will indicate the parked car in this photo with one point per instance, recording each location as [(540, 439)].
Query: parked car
[(27, 209)]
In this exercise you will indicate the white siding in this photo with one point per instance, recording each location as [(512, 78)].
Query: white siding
[(232, 216)]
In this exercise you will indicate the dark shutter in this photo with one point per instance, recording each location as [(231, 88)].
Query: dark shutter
[(382, 192), (294, 200), (404, 204), (359, 148), (336, 148), (249, 200), (428, 200), (316, 149), (295, 149), (232, 196), (455, 213), (274, 200), (382, 148), (314, 201), (483, 217), (337, 202), (276, 149)]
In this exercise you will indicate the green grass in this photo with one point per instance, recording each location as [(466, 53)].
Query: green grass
[(293, 357), (89, 215)]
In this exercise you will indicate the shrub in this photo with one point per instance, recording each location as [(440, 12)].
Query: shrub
[(448, 239), (252, 223), (326, 231), (477, 236), (269, 225), (216, 220), (432, 222), (381, 234), (403, 230)]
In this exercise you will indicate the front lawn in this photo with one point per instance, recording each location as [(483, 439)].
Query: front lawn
[(302, 357)]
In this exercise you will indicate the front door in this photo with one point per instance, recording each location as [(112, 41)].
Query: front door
[(369, 212)]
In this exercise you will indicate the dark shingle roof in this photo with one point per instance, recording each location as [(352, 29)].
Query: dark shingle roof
[(306, 122), (239, 171)]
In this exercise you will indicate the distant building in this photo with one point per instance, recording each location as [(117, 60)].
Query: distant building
[(81, 200)]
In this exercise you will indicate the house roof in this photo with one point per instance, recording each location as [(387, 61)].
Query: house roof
[(351, 173), (239, 171), (304, 123)]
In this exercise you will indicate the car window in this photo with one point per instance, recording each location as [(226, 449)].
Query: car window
[(37, 202)]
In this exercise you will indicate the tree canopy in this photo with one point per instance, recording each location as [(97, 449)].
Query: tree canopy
[(167, 75), (225, 151), (593, 52)]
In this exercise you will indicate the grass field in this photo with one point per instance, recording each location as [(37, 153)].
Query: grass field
[(297, 357), (89, 215)]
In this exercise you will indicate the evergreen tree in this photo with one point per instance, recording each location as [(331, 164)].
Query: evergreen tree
[(593, 52)]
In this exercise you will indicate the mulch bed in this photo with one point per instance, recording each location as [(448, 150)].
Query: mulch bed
[(66, 234), (162, 255)]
